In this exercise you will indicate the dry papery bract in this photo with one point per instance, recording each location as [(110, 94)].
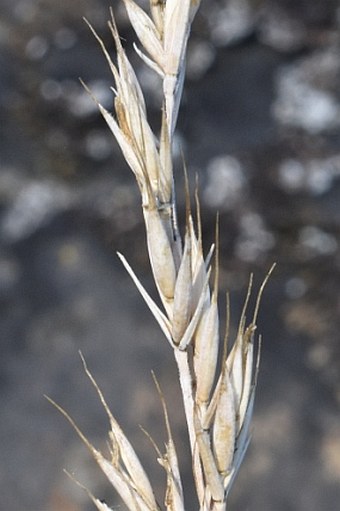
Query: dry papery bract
[(217, 381)]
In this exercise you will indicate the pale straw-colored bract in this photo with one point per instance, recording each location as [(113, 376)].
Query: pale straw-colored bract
[(217, 381)]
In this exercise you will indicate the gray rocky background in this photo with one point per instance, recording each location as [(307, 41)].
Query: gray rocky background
[(260, 126)]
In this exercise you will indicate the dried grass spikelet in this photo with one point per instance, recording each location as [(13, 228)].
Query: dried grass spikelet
[(224, 426), (182, 296), (213, 481), (242, 367), (161, 255), (220, 414), (240, 362), (131, 128), (124, 470), (174, 498), (199, 265), (222, 419), (164, 37), (206, 343), (182, 307)]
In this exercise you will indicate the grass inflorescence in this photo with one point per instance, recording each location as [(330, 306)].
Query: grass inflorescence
[(217, 378)]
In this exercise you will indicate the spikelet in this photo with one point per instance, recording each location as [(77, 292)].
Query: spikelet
[(147, 31), (174, 499), (131, 128), (182, 295), (114, 472), (212, 477), (165, 39), (182, 306), (224, 428), (206, 344), (222, 412), (161, 255), (206, 352)]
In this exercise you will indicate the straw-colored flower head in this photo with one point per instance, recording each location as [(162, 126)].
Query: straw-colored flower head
[(218, 386)]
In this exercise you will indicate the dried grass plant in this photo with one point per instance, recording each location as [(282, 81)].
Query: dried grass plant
[(217, 381)]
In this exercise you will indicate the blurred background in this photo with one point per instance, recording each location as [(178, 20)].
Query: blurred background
[(260, 126)]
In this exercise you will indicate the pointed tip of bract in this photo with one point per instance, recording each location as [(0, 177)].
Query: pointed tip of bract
[(198, 214), (260, 293), (81, 435), (217, 262)]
